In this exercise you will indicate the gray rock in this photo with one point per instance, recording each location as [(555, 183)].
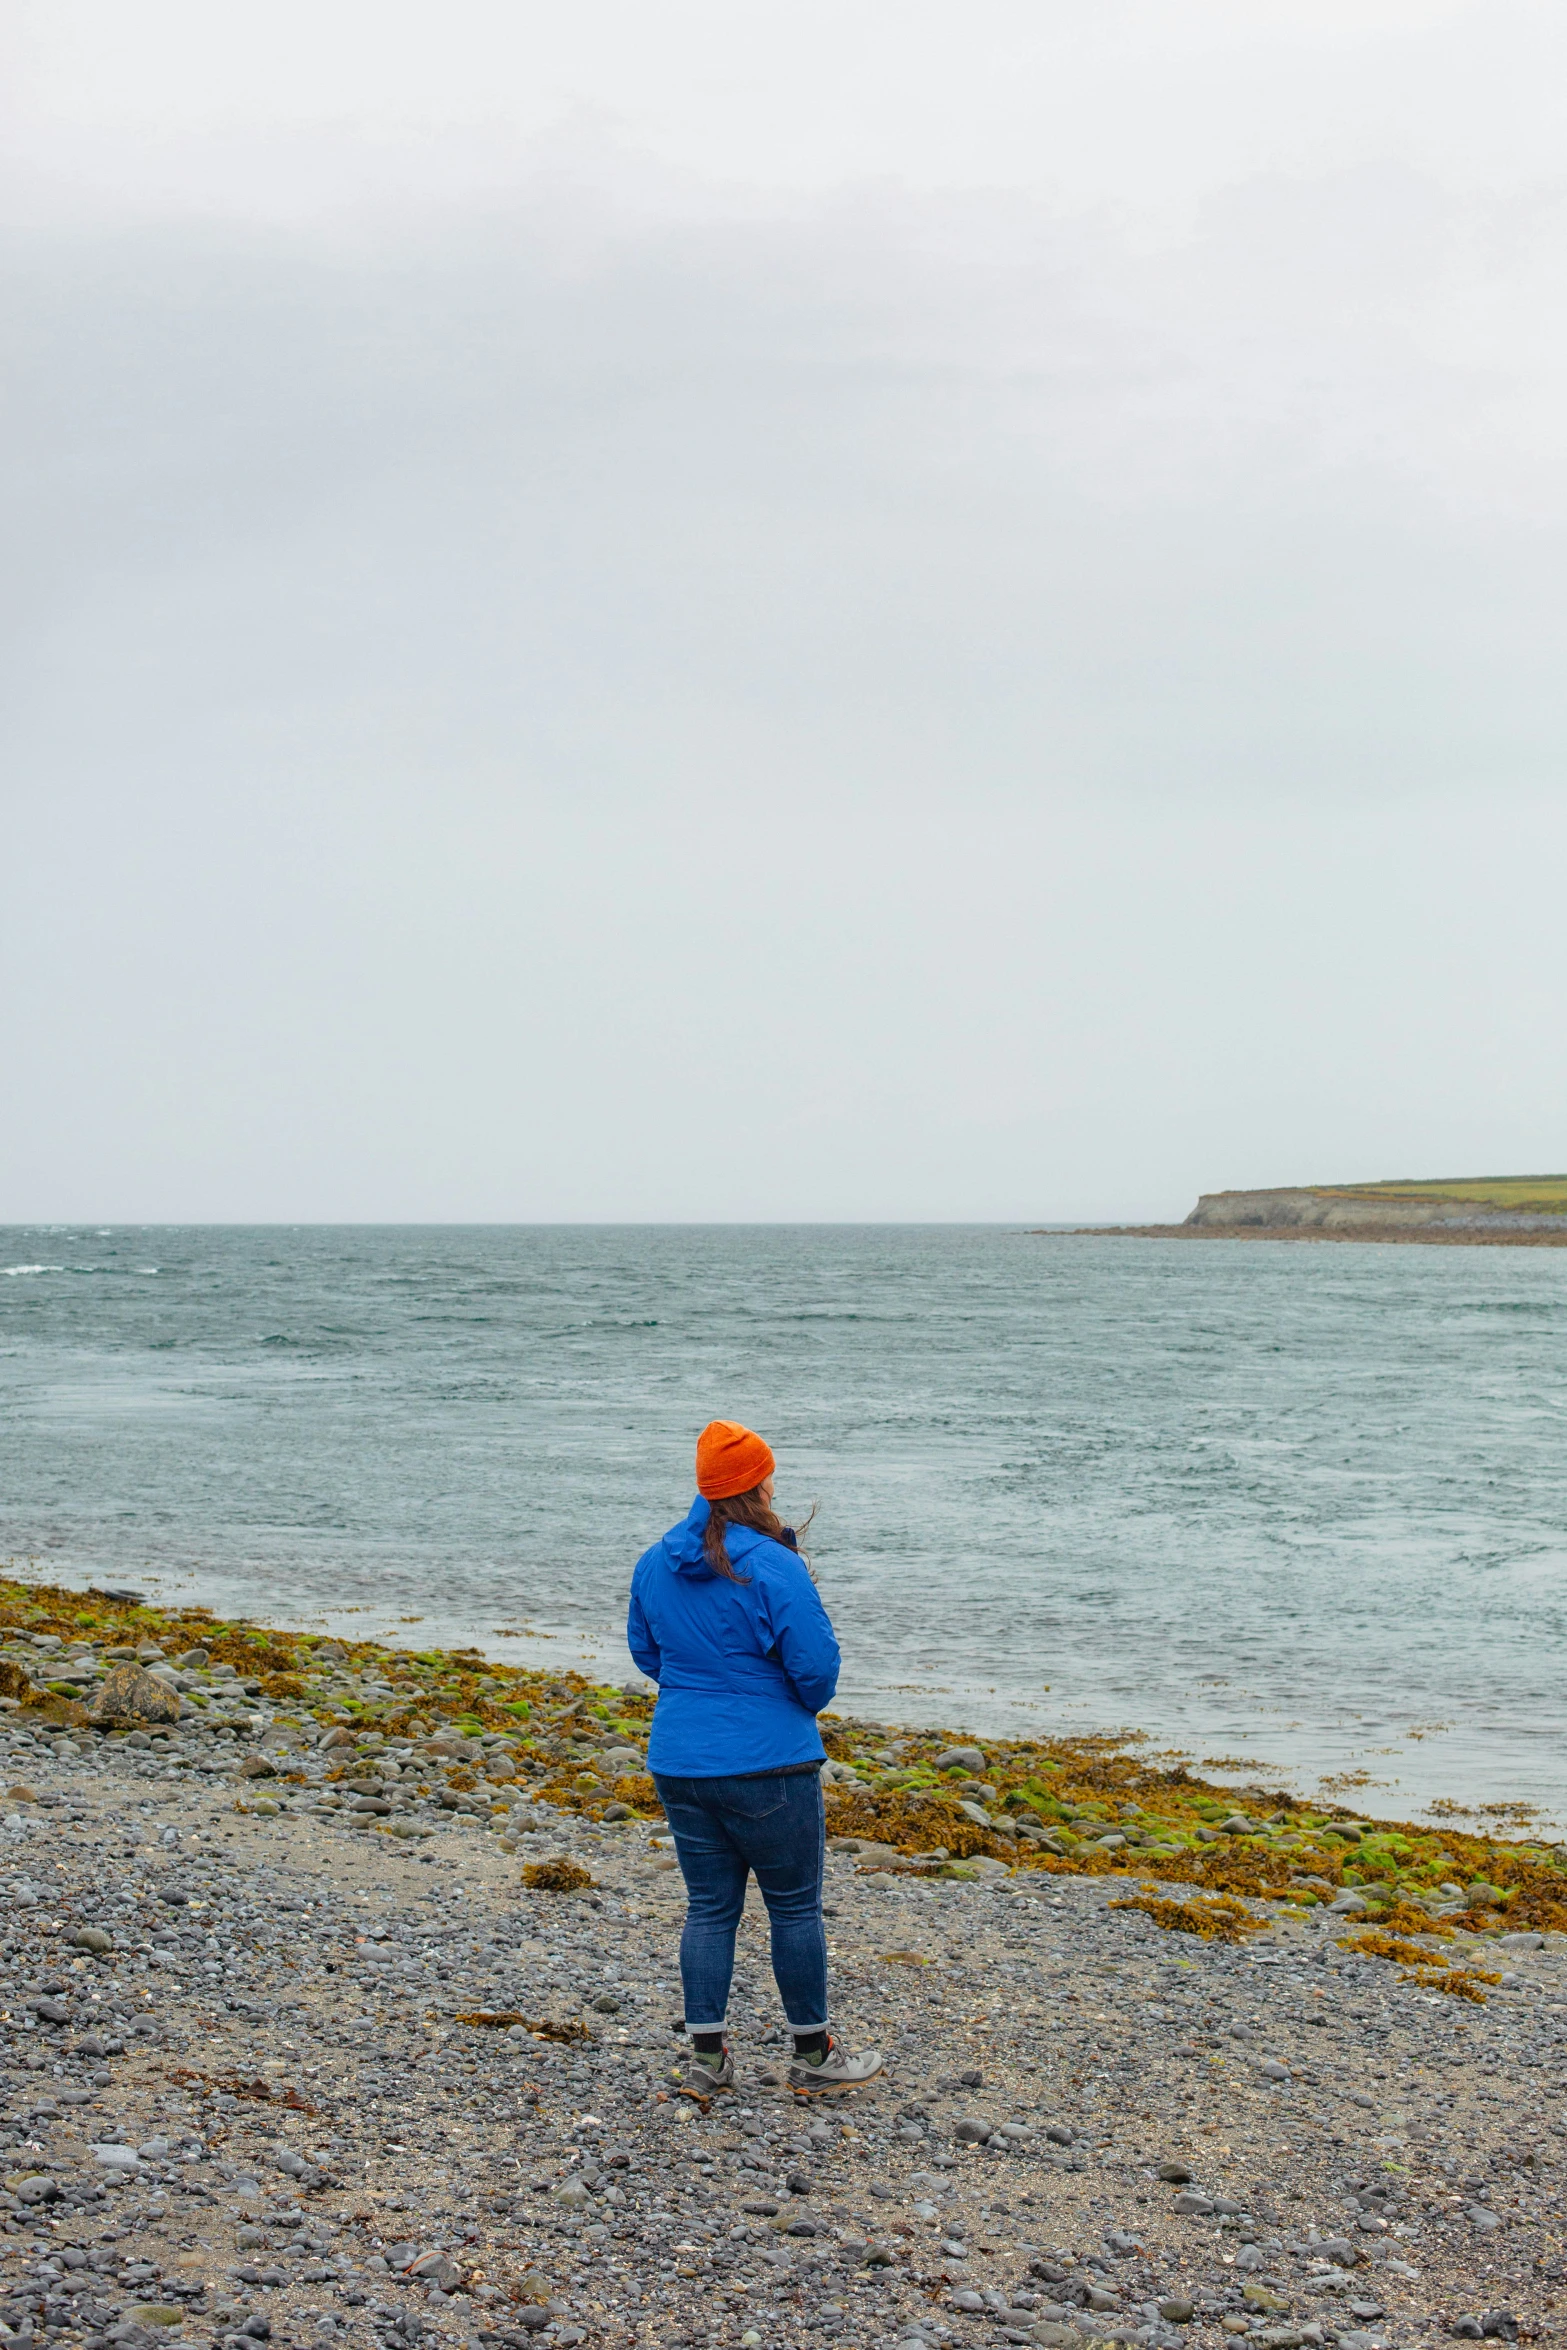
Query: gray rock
[(960, 1758), (1190, 2204), (1177, 2310), (131, 1695), (435, 2268)]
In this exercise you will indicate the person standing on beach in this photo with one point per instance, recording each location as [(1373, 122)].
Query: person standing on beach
[(725, 1618)]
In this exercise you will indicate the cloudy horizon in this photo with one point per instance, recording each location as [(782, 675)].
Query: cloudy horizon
[(780, 614)]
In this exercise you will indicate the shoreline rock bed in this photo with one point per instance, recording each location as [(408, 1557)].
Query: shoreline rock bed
[(1362, 1235), (240, 2101)]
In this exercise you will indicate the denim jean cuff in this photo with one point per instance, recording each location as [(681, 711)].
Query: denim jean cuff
[(799, 2030), (692, 2029)]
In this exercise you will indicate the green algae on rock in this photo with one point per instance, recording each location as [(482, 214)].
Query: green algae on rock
[(1078, 1805)]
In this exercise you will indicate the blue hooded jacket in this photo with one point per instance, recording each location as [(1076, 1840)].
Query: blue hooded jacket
[(742, 1669)]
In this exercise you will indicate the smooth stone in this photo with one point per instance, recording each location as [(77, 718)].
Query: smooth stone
[(129, 1694)]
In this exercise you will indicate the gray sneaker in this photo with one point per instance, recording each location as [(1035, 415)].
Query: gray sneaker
[(836, 2070), (708, 2073)]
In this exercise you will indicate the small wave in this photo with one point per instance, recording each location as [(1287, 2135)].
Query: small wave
[(114, 1272)]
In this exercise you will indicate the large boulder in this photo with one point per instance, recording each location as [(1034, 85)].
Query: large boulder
[(130, 1695)]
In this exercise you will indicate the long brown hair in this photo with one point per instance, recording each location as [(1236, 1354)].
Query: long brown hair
[(740, 1509)]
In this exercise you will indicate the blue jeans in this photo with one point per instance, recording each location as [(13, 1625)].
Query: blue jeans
[(723, 1830)]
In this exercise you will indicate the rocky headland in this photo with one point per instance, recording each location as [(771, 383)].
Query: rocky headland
[(1529, 1211), (341, 2007)]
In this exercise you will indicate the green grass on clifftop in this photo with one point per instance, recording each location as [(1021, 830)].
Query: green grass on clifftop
[(1542, 1194)]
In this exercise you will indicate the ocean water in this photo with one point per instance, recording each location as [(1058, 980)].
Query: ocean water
[(1304, 1507)]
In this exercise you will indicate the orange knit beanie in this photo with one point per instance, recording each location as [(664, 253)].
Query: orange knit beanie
[(730, 1460)]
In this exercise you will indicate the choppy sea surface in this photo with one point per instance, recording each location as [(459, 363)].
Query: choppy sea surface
[(1303, 1507)]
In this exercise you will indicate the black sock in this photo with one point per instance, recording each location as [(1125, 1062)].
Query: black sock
[(708, 2043), (810, 2043)]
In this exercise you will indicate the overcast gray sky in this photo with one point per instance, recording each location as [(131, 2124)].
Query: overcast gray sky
[(854, 610)]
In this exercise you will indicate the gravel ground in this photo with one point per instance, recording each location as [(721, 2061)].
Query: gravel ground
[(258, 2111)]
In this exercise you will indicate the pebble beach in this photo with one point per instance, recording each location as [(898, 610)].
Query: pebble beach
[(342, 2006)]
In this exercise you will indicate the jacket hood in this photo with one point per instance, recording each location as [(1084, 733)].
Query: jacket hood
[(685, 1551)]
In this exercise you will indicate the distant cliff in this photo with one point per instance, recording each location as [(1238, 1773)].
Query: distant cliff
[(1534, 1203), (1528, 1211)]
